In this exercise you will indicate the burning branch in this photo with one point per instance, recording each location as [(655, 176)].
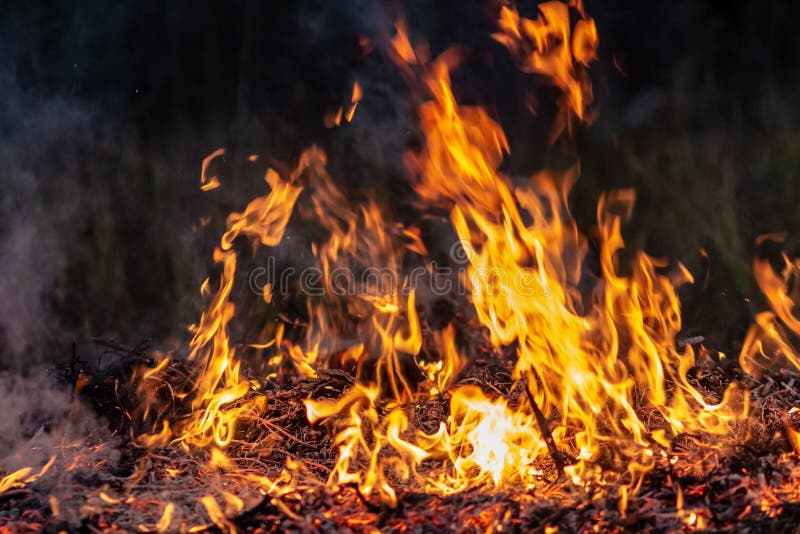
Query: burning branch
[(544, 428)]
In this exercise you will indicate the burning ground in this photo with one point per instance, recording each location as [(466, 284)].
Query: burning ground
[(548, 386), (109, 484)]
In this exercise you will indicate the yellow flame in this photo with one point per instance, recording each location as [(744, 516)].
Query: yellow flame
[(768, 343), (163, 523), (216, 515), (595, 352), (219, 383), (551, 46), (587, 361), (354, 100), (334, 118), (23, 476)]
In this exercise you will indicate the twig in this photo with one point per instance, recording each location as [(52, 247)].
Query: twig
[(74, 359), (283, 432), (306, 461), (137, 351), (541, 421)]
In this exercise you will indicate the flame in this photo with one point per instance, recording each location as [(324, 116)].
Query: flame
[(15, 479), (216, 515), (606, 385), (334, 118), (354, 100), (442, 372), (768, 341), (487, 442), (585, 362), (552, 47), (218, 383), (401, 45), (54, 505), (207, 183), (163, 523), (794, 437), (23, 476)]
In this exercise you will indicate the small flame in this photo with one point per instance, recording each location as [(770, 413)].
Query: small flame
[(767, 343), (21, 477), (551, 46), (354, 100), (163, 523), (334, 118), (207, 183), (216, 515)]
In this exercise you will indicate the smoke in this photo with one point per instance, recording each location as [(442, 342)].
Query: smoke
[(43, 425), (39, 208), (38, 417)]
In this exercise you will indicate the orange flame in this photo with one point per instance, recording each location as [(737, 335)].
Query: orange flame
[(606, 384), (767, 343), (334, 118), (550, 46)]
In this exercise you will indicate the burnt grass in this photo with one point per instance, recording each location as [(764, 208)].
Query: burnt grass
[(747, 483)]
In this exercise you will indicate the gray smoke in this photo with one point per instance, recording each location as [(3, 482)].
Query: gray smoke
[(42, 424), (38, 207)]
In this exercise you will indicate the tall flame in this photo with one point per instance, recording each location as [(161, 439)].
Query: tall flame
[(218, 382), (595, 352), (587, 359)]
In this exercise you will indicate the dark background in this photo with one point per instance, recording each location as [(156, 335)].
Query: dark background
[(106, 112)]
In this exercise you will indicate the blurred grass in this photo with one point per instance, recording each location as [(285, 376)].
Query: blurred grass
[(713, 169)]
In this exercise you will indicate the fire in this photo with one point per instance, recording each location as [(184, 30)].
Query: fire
[(768, 343), (207, 183), (553, 47), (24, 476), (605, 381), (219, 382), (585, 363), (334, 118), (163, 523), (601, 386)]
